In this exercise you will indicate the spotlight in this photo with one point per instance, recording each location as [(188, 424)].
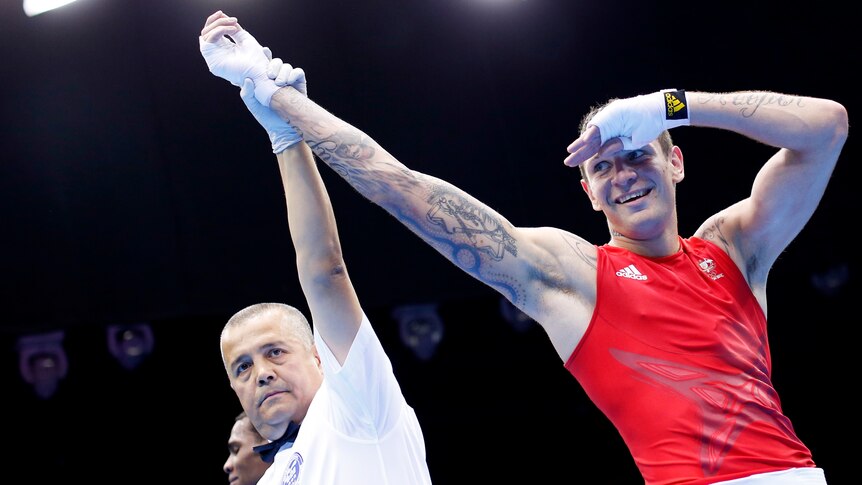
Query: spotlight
[(130, 344), (42, 361), (35, 7), (420, 327)]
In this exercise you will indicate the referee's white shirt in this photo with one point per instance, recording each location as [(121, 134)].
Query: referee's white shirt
[(359, 428)]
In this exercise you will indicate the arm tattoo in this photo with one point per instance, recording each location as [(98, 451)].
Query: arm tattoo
[(714, 234), (468, 234), (349, 152), (749, 103), (339, 146), (456, 215), (464, 232), (577, 244)]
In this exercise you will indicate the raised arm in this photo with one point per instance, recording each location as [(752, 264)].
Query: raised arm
[(334, 306), (526, 265), (523, 264), (335, 310), (514, 261), (810, 133)]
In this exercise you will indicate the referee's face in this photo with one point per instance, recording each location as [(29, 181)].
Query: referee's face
[(274, 373)]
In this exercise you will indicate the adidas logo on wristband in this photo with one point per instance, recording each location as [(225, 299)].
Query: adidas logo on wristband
[(676, 109), (675, 105)]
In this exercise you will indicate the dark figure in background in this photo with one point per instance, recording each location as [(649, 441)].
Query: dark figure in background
[(243, 465)]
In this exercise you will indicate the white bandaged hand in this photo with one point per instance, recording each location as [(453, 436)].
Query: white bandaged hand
[(241, 59), (639, 120)]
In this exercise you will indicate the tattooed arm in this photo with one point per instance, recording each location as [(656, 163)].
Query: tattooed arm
[(547, 273), (523, 264), (810, 133)]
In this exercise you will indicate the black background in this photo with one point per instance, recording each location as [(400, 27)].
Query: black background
[(135, 187)]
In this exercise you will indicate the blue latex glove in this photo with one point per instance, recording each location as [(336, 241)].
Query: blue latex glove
[(286, 75), (281, 134)]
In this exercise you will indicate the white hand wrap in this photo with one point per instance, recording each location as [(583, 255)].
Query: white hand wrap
[(236, 61), (639, 120)]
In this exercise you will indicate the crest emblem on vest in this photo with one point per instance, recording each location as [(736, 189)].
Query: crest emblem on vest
[(708, 266)]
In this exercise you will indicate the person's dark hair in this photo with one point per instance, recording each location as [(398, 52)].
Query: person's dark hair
[(239, 417), (664, 139)]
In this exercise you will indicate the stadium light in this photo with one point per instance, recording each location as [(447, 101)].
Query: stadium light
[(35, 7)]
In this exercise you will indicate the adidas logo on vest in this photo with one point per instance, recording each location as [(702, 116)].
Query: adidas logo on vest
[(631, 272)]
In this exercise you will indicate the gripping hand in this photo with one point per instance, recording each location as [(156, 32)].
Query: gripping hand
[(639, 120), (281, 134), (286, 75)]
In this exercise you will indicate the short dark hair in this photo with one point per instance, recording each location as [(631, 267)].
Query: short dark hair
[(239, 417), (290, 316)]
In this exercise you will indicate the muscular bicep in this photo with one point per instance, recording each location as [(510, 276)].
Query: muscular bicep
[(784, 196), (517, 262), (547, 273), (758, 228)]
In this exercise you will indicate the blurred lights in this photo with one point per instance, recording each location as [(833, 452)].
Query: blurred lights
[(421, 329), (35, 7), (42, 362), (832, 280), (130, 344), (519, 320)]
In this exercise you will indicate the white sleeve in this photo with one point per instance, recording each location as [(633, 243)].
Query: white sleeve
[(366, 399)]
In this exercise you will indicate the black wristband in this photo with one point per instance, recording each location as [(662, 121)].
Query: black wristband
[(676, 107)]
